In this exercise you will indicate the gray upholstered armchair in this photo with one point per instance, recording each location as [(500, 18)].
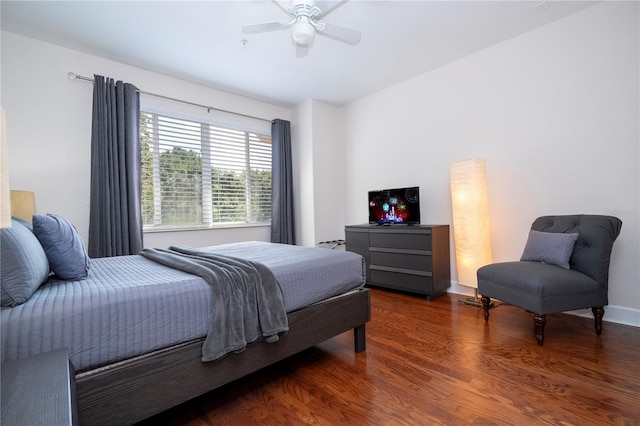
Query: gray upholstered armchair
[(565, 266)]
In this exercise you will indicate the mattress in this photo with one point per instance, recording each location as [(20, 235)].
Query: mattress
[(307, 275), (130, 305)]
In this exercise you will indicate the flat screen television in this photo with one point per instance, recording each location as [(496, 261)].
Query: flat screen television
[(395, 206)]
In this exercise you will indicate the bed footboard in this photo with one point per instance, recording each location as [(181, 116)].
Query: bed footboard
[(132, 390)]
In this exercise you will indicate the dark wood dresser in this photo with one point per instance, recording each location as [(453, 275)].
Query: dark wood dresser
[(412, 258)]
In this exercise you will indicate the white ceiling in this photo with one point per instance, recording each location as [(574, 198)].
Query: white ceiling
[(200, 41)]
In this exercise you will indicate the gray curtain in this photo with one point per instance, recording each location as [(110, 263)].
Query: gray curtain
[(282, 223), (115, 217)]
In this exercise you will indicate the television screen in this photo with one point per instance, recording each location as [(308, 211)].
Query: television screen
[(401, 205)]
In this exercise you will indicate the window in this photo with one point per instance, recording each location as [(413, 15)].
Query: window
[(196, 174)]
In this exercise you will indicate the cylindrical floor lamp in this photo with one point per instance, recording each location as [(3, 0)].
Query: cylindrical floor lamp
[(470, 221)]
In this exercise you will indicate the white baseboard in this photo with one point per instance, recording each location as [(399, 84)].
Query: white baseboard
[(612, 313)]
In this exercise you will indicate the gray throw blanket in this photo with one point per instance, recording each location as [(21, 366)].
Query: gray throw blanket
[(248, 303)]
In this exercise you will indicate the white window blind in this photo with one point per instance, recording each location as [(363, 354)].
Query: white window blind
[(196, 174)]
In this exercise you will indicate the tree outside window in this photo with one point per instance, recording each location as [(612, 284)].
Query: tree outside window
[(195, 174)]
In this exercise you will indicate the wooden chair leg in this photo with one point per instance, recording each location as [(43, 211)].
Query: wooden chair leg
[(486, 304), (540, 321), (598, 313)]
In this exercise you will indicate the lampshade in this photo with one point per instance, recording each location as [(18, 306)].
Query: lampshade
[(23, 205), (303, 32), (470, 218), (5, 205)]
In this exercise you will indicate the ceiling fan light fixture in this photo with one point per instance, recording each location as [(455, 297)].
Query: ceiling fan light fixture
[(305, 23), (303, 33)]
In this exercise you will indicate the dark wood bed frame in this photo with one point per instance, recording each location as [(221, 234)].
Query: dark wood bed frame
[(132, 390)]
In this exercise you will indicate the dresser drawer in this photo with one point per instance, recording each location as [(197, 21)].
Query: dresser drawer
[(400, 240), (419, 260), (403, 281), (357, 241)]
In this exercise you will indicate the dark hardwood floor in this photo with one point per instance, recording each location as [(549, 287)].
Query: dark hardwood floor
[(439, 363)]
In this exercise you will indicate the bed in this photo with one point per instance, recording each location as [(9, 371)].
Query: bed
[(136, 329)]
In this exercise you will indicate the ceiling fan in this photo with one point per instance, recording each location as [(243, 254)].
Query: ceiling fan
[(305, 22)]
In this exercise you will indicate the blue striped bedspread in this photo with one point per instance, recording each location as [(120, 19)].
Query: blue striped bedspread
[(130, 305)]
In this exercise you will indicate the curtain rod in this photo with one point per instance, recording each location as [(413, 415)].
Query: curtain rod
[(74, 76)]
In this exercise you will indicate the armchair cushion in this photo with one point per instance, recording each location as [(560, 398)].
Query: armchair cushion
[(540, 287), (553, 248)]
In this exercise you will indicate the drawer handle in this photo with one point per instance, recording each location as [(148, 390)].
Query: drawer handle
[(400, 270)]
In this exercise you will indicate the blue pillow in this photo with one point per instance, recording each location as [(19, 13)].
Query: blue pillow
[(554, 248), (23, 264), (66, 253)]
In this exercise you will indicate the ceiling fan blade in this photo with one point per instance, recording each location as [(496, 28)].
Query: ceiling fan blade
[(328, 6), (269, 26), (337, 32), (284, 5)]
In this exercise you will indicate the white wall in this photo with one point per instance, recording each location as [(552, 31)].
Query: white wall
[(302, 152), (329, 167), (318, 172), (49, 128), (555, 114)]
